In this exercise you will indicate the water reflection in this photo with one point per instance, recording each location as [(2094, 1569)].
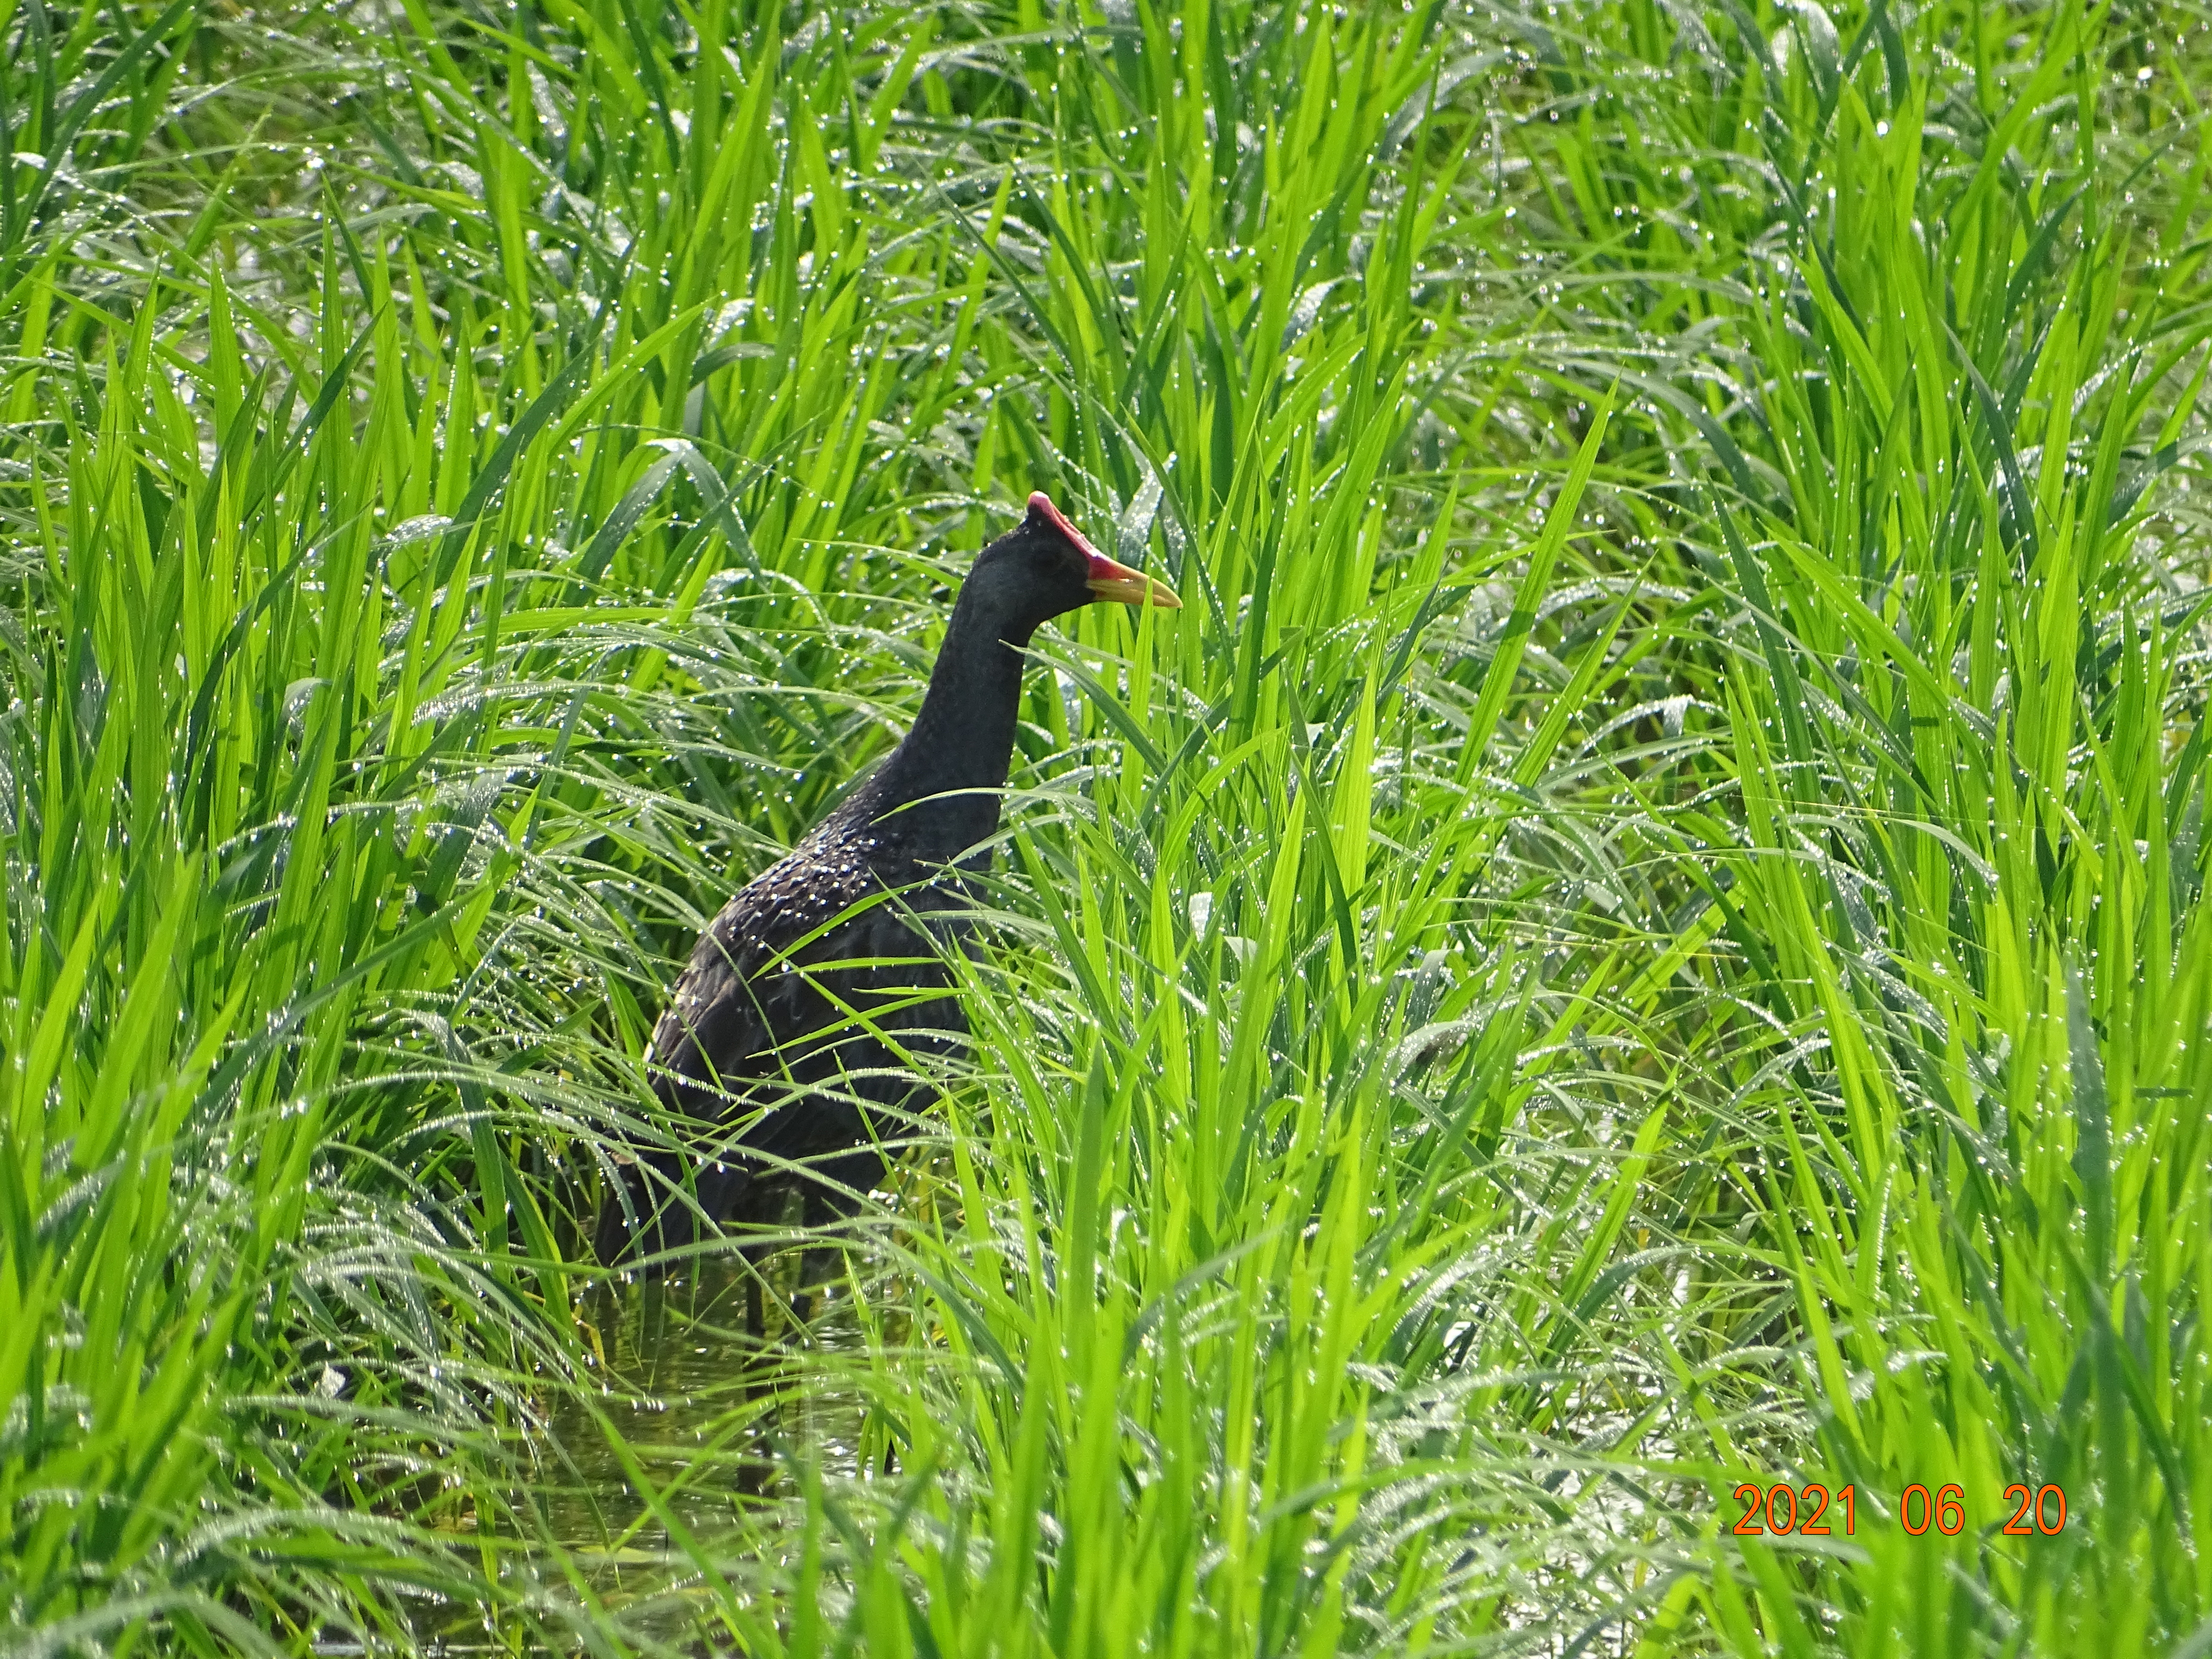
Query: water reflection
[(689, 1450)]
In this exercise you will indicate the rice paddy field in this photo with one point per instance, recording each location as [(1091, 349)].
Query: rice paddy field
[(1601, 1047)]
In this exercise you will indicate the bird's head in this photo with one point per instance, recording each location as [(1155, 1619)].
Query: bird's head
[(1044, 567)]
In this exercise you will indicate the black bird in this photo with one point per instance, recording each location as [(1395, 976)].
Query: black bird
[(758, 1046)]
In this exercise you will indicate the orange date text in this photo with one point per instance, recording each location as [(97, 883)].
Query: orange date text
[(1812, 1511)]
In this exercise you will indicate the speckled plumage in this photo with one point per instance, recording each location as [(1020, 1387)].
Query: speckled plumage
[(757, 1045)]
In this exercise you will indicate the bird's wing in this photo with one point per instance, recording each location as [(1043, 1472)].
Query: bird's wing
[(735, 1002), (764, 1015)]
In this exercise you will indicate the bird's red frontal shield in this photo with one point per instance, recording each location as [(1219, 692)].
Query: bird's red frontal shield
[(1108, 579)]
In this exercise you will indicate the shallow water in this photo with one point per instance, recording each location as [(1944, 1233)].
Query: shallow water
[(707, 1410), (708, 1415)]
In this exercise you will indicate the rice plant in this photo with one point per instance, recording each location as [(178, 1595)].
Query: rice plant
[(1637, 950)]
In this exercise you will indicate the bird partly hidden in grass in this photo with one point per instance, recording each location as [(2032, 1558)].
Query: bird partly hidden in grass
[(759, 1059)]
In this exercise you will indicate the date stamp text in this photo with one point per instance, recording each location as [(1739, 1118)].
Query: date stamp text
[(1812, 1511)]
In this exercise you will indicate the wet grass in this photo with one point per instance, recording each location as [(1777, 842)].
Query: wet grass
[(1643, 931)]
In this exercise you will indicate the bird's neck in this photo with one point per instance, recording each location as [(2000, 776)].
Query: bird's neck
[(963, 738)]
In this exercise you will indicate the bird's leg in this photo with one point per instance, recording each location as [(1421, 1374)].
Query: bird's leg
[(642, 1214), (756, 1221), (839, 1195), (814, 1267), (754, 1257), (652, 1324), (826, 1206), (755, 1467)]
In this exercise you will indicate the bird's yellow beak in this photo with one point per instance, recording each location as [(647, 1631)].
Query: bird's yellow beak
[(1112, 580)]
